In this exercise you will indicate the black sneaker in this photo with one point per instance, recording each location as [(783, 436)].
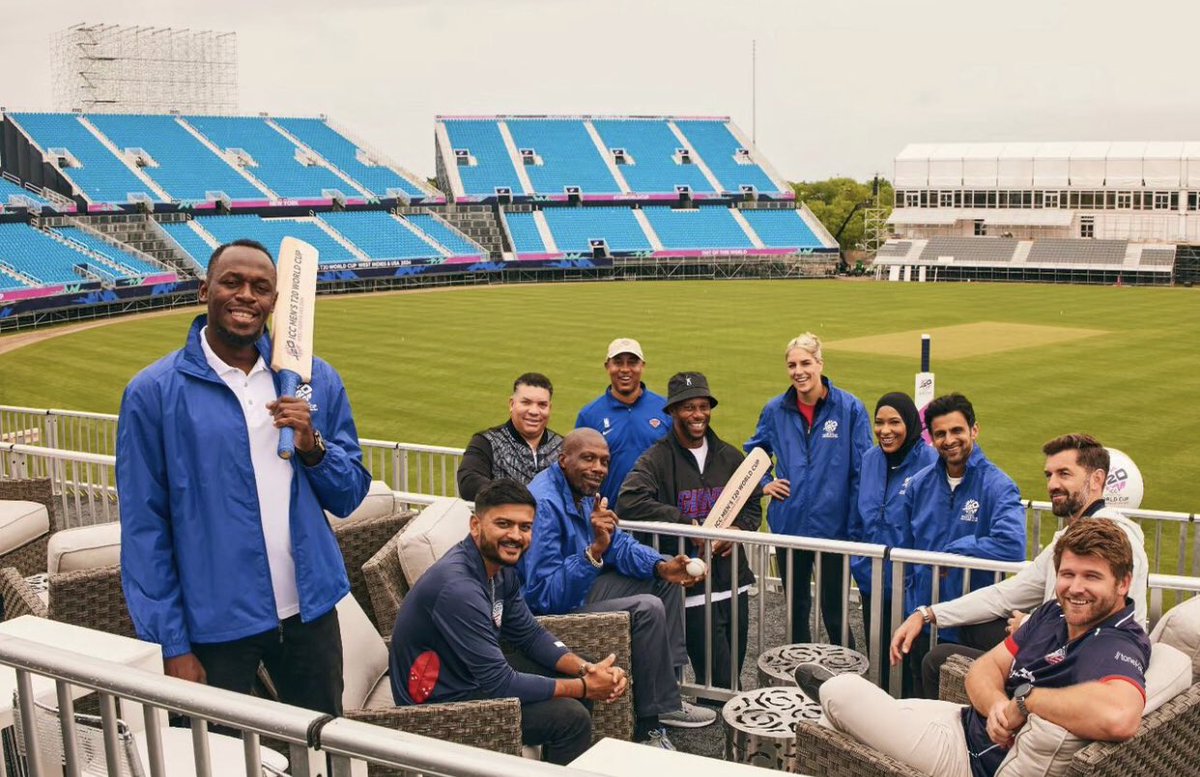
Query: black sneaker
[(810, 676)]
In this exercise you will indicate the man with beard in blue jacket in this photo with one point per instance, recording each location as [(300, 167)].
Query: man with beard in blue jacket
[(963, 504), (227, 559), (818, 435)]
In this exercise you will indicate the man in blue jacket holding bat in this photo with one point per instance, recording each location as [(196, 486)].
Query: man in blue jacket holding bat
[(227, 559)]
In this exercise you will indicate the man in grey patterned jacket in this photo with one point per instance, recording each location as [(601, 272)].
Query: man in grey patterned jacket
[(518, 449)]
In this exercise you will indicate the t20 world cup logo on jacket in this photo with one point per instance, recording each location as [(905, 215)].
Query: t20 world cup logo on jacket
[(830, 430), (970, 511)]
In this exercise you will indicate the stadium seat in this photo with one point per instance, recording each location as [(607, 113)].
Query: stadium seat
[(339, 151), (102, 177), (717, 146), (493, 166), (274, 156), (704, 228), (9, 192), (446, 236), (573, 228), (190, 242), (524, 232), (133, 265), (784, 228), (567, 155), (382, 236), (38, 255), (186, 168), (651, 146), (271, 232)]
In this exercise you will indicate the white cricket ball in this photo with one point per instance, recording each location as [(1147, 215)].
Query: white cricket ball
[(696, 567)]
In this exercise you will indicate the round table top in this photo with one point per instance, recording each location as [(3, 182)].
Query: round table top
[(772, 711), (781, 662)]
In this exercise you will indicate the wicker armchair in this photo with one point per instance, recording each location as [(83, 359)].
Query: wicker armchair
[(593, 634), (92, 598), (30, 558), (1165, 744), (360, 539)]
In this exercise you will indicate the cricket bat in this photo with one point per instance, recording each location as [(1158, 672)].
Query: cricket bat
[(924, 393), (292, 325), (737, 491)]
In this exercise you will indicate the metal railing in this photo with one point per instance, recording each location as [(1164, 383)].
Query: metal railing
[(310, 737)]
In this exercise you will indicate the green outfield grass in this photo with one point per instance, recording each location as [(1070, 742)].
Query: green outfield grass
[(435, 367)]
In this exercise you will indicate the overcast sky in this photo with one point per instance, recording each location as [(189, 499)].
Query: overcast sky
[(842, 86)]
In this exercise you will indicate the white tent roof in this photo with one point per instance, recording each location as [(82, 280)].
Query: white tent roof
[(1161, 164)]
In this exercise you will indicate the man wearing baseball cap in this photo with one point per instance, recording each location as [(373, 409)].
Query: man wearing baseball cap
[(630, 416), (678, 480)]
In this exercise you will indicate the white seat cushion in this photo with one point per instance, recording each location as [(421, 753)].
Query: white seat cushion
[(1169, 674), (21, 523), (378, 502), (365, 655), (1180, 628), (436, 529), (380, 696), (85, 547)]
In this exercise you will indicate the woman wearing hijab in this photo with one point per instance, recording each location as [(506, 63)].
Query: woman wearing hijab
[(879, 515)]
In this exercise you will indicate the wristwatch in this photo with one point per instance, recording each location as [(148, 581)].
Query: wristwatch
[(926, 613), (597, 563), (313, 458), (1020, 694)]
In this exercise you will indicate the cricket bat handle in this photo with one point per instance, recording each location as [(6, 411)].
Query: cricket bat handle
[(288, 383)]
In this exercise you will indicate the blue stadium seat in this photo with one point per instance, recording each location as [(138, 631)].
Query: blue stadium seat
[(133, 265), (447, 237), (9, 189), (102, 177), (381, 236), (572, 228), (187, 169), (190, 241), (652, 145), (717, 146), (274, 154), (782, 229), (38, 255), (525, 236), (712, 228), (271, 232), (339, 151), (494, 167), (568, 155)]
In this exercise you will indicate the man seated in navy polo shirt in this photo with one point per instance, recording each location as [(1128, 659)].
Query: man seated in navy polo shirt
[(1078, 661), (446, 642)]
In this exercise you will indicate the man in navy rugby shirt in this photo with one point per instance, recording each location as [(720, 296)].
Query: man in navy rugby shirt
[(1078, 662)]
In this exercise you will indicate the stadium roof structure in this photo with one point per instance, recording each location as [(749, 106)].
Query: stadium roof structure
[(1091, 165)]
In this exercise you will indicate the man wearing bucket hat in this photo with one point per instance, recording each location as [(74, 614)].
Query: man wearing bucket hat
[(678, 480), (630, 416)]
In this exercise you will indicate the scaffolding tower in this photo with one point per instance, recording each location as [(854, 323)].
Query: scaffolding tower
[(111, 68)]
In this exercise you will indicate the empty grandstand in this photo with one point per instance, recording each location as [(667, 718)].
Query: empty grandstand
[(121, 161), (599, 158), (1090, 212), (582, 197)]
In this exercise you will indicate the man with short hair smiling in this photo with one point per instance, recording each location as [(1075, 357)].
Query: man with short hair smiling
[(1076, 469), (518, 449), (630, 416), (962, 504), (227, 559), (446, 641), (678, 480), (1078, 662), (581, 561)]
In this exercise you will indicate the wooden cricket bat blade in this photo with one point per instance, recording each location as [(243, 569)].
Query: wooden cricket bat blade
[(292, 324), (738, 490)]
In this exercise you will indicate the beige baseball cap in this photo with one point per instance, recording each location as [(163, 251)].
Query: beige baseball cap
[(625, 345)]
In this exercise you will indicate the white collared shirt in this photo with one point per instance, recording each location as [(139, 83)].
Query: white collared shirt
[(272, 475)]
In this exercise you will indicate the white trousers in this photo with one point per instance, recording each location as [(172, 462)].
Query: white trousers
[(923, 733)]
